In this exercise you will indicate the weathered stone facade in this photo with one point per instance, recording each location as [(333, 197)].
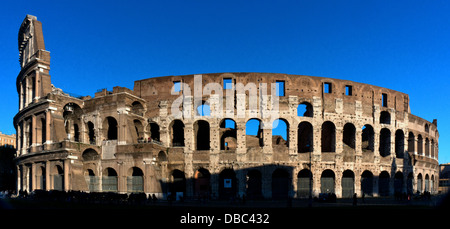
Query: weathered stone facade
[(347, 137)]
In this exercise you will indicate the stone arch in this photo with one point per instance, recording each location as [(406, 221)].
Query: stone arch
[(135, 180), (304, 183), (202, 187), (155, 131), (367, 183), (383, 183), (328, 137), (227, 184), (91, 133), (254, 184), (254, 133), (176, 128), (202, 135), (349, 142), (348, 184), (281, 127), (367, 138), (137, 108), (72, 114), (110, 128), (385, 117), (305, 137), (228, 134), (177, 187), (305, 109), (109, 180), (204, 109), (280, 184), (385, 142), (327, 181), (58, 177), (90, 154), (399, 144), (411, 143), (419, 144), (398, 183)]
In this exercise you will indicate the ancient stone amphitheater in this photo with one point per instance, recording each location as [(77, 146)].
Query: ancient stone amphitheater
[(221, 135)]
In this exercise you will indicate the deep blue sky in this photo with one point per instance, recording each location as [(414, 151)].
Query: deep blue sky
[(401, 45)]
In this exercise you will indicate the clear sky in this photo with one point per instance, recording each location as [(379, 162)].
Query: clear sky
[(401, 45)]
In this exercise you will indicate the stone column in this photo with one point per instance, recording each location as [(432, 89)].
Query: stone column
[(66, 175), (47, 175)]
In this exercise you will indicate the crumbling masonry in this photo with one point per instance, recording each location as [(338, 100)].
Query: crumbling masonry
[(340, 137)]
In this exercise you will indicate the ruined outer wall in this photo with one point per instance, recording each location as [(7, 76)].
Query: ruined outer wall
[(362, 107)]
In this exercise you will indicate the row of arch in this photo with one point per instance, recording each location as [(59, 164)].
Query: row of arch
[(305, 137), (228, 136), (228, 183)]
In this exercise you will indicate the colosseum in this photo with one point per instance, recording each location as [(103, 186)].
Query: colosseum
[(213, 135)]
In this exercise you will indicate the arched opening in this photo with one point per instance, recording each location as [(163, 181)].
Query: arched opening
[(385, 117), (432, 183), (58, 178), (76, 133), (280, 184), (367, 183), (304, 183), (398, 184), (135, 180), (228, 134), (110, 125), (419, 145), (427, 147), (349, 142), (162, 156), (254, 184), (109, 180), (385, 142), (40, 178), (201, 183), (305, 137), (432, 148), (419, 183), (139, 130), (411, 143), (91, 133), (410, 183), (327, 181), (383, 184), (137, 108), (92, 181), (305, 109), (201, 131), (328, 137), (204, 109), (72, 119), (348, 184), (177, 133), (227, 184), (178, 186), (368, 138), (399, 144), (427, 183), (254, 133), (280, 133), (154, 132), (90, 155)]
